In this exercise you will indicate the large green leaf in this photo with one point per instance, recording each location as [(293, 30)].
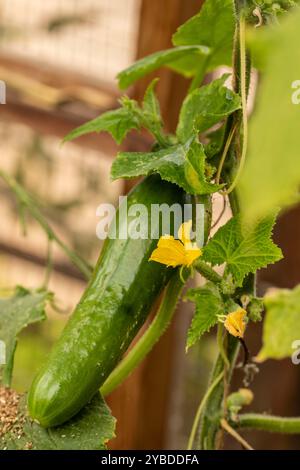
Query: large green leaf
[(281, 325), (209, 305), (183, 58), (90, 429), (271, 176), (205, 107), (17, 312), (213, 27), (244, 251), (182, 164)]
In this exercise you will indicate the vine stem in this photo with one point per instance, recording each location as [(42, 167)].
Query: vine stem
[(220, 341), (224, 154), (235, 435), (200, 409), (149, 338), (210, 436), (26, 201), (269, 423), (243, 81), (206, 271)]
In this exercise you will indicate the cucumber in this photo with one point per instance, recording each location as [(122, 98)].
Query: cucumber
[(123, 287)]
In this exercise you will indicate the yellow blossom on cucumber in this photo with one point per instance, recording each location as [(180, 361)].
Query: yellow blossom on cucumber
[(235, 323), (182, 252)]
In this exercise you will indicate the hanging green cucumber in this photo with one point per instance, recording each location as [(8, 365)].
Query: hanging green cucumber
[(111, 311)]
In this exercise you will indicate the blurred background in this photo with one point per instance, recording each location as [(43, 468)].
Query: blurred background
[(59, 61)]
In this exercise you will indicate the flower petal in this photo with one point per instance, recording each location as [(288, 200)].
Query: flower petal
[(169, 252), (191, 253), (235, 323), (184, 232)]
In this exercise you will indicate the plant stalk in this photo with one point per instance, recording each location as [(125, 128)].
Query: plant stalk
[(269, 423)]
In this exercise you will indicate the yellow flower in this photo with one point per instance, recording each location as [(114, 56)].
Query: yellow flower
[(180, 252), (235, 324)]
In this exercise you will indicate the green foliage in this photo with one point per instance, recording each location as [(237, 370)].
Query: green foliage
[(272, 172), (183, 59), (205, 107), (182, 164), (130, 116), (117, 122), (213, 27), (244, 251), (16, 313), (270, 178), (91, 429), (281, 325), (202, 43), (151, 110), (209, 305)]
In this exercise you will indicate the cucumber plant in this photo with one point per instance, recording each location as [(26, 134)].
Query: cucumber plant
[(214, 150)]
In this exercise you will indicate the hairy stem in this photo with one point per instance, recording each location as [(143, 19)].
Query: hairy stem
[(149, 338), (213, 410), (220, 340), (206, 271), (269, 423), (200, 409), (243, 84)]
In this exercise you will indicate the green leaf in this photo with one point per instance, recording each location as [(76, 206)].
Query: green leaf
[(176, 58), (271, 176), (117, 122), (244, 251), (281, 325), (213, 27), (151, 114), (209, 305), (195, 170), (181, 164), (205, 107), (90, 429), (16, 313)]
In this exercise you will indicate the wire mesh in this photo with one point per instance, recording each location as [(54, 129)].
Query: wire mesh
[(95, 37)]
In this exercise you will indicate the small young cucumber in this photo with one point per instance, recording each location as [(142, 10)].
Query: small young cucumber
[(114, 306)]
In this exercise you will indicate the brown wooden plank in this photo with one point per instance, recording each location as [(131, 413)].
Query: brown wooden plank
[(159, 20), (141, 404), (60, 122)]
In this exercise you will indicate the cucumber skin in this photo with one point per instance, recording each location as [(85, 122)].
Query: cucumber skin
[(113, 308)]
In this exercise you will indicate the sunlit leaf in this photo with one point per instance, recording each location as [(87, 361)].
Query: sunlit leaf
[(177, 58), (181, 164), (281, 325), (213, 27), (90, 429), (244, 251), (16, 313), (271, 177), (208, 305), (205, 107)]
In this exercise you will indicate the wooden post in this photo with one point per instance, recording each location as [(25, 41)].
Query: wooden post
[(141, 404), (159, 20)]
